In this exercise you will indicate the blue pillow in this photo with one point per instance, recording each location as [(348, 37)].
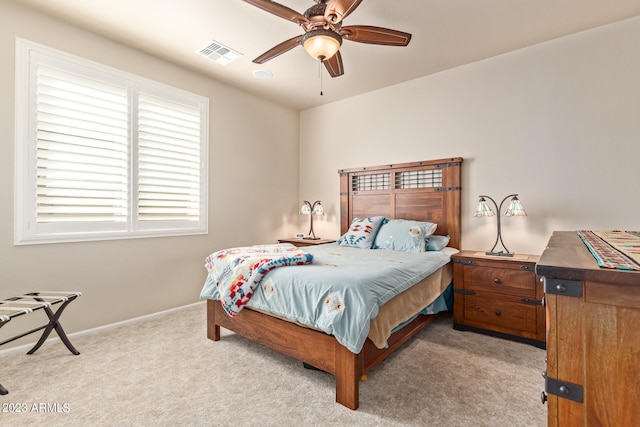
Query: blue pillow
[(404, 235), (362, 232), (437, 243)]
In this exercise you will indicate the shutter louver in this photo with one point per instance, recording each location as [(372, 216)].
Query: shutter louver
[(82, 149), (169, 170)]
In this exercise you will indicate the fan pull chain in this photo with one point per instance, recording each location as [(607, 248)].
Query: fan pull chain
[(320, 73)]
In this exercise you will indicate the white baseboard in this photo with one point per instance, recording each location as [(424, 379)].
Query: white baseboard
[(26, 347)]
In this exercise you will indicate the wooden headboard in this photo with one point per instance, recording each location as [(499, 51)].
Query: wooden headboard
[(421, 191)]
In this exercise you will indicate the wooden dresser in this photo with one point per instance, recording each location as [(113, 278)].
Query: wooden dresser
[(500, 296), (593, 341)]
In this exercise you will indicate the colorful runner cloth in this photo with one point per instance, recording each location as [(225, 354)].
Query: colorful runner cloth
[(613, 248)]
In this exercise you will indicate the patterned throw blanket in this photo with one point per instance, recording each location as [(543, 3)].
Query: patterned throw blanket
[(238, 271)]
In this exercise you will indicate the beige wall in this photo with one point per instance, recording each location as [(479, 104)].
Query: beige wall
[(557, 122), (252, 141)]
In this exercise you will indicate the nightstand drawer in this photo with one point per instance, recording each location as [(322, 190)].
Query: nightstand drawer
[(500, 276), (502, 280), (500, 315)]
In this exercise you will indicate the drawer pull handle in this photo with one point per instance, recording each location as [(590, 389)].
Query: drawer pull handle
[(498, 313), (496, 280)]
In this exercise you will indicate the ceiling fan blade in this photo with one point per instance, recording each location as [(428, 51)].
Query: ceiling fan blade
[(334, 65), (279, 49), (375, 35), (279, 10), (337, 10)]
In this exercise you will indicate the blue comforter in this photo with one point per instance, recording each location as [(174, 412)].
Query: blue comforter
[(342, 290)]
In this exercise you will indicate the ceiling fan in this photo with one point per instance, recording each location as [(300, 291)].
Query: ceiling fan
[(323, 32)]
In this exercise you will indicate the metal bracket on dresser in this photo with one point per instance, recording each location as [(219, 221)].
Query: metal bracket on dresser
[(569, 288), (564, 389), (464, 261), (463, 291)]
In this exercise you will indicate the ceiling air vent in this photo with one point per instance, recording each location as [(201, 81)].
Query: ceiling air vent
[(219, 53)]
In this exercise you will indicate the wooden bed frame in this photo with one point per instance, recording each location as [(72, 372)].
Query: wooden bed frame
[(425, 191)]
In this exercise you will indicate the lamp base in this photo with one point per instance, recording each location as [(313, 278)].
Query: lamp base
[(503, 254), (311, 238)]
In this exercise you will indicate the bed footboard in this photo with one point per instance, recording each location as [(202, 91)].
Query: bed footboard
[(310, 346), (307, 345)]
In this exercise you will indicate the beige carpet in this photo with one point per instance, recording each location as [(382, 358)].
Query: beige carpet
[(165, 372)]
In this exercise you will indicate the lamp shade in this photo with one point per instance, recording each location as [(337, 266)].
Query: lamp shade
[(483, 209), (317, 208), (515, 208), (305, 209), (321, 44)]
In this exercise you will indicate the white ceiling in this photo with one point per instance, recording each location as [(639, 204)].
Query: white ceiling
[(446, 34)]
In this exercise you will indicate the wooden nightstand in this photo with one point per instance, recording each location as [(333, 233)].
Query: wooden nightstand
[(305, 242), (499, 296)]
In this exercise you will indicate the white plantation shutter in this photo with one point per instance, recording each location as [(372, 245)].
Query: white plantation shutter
[(82, 149), (168, 160), (102, 154)]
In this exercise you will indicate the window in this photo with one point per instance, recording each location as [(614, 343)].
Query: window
[(102, 154)]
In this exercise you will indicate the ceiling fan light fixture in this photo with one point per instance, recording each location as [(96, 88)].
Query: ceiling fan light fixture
[(321, 44)]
